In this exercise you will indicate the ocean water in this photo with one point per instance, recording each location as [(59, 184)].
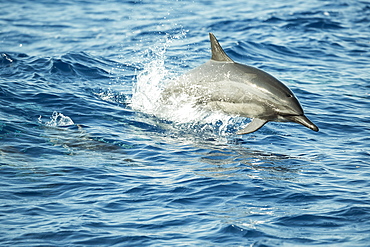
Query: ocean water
[(86, 161)]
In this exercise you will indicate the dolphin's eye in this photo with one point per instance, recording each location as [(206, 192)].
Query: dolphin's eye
[(289, 95)]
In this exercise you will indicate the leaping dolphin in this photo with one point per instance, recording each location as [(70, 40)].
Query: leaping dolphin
[(233, 88)]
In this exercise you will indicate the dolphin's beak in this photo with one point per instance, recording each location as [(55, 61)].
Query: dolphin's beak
[(302, 119)]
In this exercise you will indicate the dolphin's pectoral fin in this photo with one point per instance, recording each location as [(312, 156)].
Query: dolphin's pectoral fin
[(256, 124)]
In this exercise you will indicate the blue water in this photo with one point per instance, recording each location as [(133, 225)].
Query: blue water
[(81, 166)]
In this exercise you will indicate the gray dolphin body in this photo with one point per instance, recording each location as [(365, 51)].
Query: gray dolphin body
[(233, 88)]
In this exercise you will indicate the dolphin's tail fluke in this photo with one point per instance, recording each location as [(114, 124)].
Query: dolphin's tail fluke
[(302, 119)]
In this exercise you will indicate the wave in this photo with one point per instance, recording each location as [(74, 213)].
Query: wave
[(70, 65)]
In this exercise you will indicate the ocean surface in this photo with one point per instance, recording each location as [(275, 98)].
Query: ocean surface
[(86, 161)]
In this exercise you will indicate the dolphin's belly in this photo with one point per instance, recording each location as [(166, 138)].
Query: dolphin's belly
[(250, 110)]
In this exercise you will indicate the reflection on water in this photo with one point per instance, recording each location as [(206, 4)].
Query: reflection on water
[(75, 139), (229, 161), (223, 154)]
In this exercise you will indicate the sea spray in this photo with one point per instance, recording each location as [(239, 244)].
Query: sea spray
[(57, 120)]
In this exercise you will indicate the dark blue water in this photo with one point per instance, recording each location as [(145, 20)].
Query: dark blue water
[(81, 166)]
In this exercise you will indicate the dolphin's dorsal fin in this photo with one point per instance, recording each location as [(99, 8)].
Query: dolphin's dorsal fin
[(218, 54), (253, 126)]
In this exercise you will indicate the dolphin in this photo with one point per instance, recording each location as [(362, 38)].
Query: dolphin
[(223, 85)]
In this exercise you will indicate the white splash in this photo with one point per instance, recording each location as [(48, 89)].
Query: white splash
[(147, 91), (150, 81), (57, 120)]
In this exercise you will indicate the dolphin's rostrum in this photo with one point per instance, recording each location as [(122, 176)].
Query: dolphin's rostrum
[(233, 88)]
